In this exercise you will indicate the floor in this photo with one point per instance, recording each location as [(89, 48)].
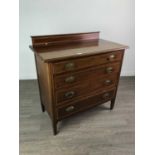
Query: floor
[(98, 131)]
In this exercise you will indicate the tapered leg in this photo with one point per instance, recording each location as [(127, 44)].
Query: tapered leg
[(112, 103), (54, 128), (42, 108)]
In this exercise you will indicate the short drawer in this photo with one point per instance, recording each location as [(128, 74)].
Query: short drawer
[(110, 57), (84, 104), (71, 79), (85, 62)]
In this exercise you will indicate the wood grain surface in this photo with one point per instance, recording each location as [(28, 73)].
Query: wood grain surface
[(103, 46)]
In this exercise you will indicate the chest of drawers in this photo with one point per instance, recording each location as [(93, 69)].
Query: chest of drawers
[(76, 72)]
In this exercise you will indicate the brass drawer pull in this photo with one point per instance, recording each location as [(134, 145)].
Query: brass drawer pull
[(69, 94), (70, 79), (107, 82), (70, 66), (70, 108), (105, 95), (111, 57), (109, 69)]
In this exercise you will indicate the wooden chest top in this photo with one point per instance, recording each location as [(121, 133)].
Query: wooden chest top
[(51, 49)]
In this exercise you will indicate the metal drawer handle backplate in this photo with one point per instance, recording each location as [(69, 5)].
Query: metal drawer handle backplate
[(70, 66), (111, 57), (109, 69), (70, 108), (70, 79), (69, 94), (107, 81), (106, 95)]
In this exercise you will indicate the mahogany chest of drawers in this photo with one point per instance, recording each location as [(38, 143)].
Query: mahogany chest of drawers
[(76, 72)]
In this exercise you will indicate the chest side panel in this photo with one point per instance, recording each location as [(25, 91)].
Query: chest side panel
[(44, 84)]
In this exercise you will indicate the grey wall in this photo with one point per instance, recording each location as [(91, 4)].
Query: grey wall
[(114, 18)]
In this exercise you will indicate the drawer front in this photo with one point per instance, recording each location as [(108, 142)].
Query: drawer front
[(72, 79), (84, 104), (72, 93), (106, 82), (72, 65), (110, 57), (90, 86), (79, 63)]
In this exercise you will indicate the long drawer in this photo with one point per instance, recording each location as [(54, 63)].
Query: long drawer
[(85, 62), (71, 79), (73, 93), (67, 110)]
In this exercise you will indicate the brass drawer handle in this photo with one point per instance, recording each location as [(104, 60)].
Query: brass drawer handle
[(69, 94), (70, 108), (111, 57), (107, 82), (109, 69), (70, 79), (70, 66), (105, 95)]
